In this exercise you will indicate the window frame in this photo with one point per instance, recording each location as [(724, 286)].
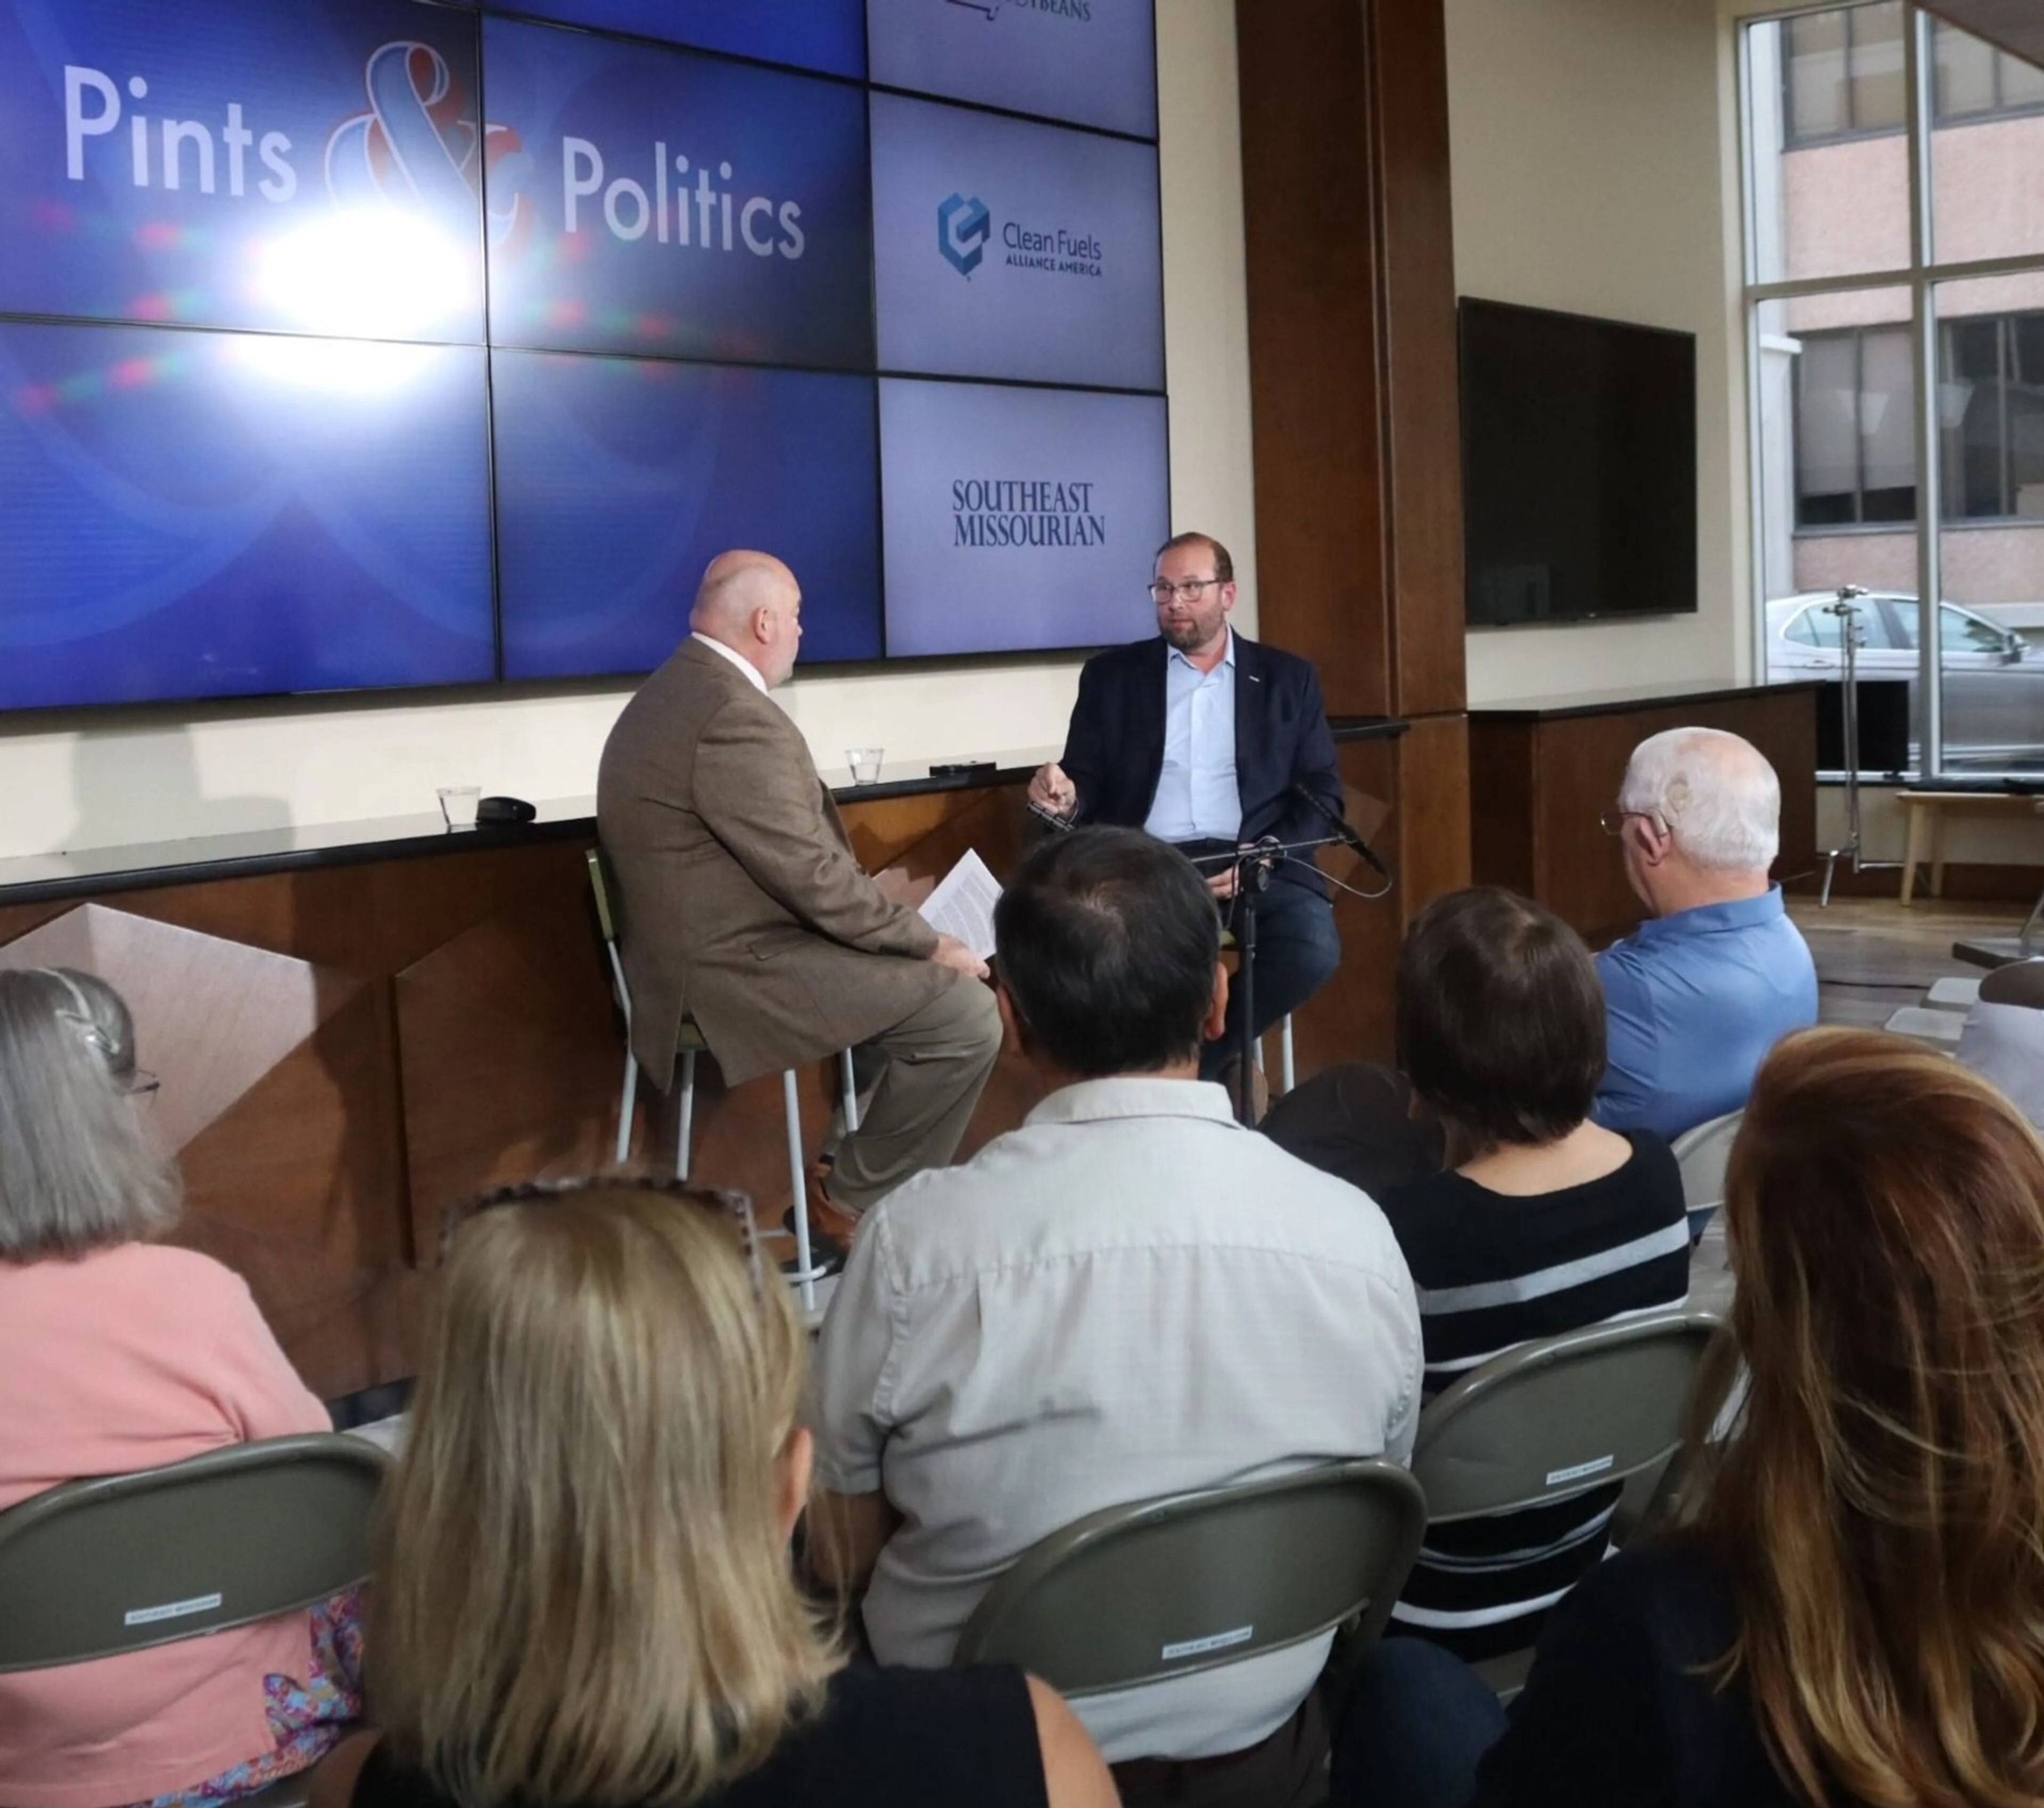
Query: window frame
[(1921, 277)]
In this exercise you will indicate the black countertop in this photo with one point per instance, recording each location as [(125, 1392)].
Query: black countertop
[(1614, 701), (32, 879)]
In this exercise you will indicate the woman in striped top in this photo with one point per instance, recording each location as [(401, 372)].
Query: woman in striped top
[(1544, 1222)]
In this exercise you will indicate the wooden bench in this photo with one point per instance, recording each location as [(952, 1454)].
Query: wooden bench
[(1928, 811)]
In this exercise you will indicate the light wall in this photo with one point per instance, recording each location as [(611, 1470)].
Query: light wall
[(1593, 174), (111, 779)]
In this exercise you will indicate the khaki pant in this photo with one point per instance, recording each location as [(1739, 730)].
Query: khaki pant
[(925, 1076)]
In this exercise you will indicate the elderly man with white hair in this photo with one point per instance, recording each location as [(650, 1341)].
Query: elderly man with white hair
[(1696, 996)]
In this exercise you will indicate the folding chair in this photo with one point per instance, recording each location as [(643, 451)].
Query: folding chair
[(1701, 1154), (1190, 1582), (1557, 1417), (116, 1564), (689, 1046)]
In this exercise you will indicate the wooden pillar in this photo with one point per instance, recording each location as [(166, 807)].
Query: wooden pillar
[(1354, 395)]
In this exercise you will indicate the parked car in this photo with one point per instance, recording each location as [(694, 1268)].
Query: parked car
[(1993, 681)]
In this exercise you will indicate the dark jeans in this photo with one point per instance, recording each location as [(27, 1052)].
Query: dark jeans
[(1413, 1728), (1296, 953)]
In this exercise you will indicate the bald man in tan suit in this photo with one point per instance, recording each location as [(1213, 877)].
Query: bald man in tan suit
[(744, 910)]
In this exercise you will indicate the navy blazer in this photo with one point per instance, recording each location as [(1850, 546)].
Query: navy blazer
[(1114, 749)]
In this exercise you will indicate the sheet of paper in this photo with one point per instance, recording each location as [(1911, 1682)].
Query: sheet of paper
[(963, 904)]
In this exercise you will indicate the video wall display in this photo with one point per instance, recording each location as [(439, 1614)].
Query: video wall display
[(365, 343)]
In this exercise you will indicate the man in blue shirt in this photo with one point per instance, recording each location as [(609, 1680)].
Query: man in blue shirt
[(1211, 741), (1697, 995)]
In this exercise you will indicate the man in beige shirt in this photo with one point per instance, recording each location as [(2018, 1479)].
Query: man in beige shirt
[(1131, 1296), (744, 910)]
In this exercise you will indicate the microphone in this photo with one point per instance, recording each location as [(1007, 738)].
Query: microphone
[(1333, 818)]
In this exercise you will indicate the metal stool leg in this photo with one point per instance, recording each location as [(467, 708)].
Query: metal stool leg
[(626, 1098), (849, 1083), (683, 1136), (806, 1277), (1286, 1070)]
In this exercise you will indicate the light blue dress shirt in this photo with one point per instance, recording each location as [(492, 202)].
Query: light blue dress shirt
[(1692, 1004), (1198, 797)]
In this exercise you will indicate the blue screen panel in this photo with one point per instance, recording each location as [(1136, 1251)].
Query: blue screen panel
[(1090, 62), (829, 35), (198, 514), (311, 168), (1018, 520), (655, 200), (1005, 248), (620, 479)]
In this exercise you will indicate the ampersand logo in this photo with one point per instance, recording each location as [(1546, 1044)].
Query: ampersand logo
[(416, 144)]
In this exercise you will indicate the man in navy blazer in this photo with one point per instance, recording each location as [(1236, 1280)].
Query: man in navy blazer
[(1206, 739)]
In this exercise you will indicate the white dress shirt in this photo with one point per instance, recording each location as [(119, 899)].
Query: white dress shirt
[(1198, 797), (744, 664), (1129, 1296)]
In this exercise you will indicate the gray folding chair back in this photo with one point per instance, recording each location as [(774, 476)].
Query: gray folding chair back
[(1560, 1416), (115, 1563), (1702, 1154), (1164, 1588)]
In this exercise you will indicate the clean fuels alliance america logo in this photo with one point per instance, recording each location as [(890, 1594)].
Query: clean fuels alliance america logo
[(965, 228)]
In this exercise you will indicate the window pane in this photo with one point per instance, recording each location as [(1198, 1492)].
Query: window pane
[(1987, 162), (1992, 565), (2024, 388), (1816, 62), (2022, 83), (1807, 402), (1829, 162), (1826, 430), (1880, 95), (1966, 73), (1887, 427), (1969, 420)]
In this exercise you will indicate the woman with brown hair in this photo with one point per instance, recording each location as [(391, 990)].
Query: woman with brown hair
[(583, 1597), (1858, 1613)]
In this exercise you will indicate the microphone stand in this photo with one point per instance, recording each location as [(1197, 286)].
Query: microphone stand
[(1253, 867)]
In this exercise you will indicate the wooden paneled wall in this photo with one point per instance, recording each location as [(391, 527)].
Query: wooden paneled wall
[(1542, 783), (347, 1051)]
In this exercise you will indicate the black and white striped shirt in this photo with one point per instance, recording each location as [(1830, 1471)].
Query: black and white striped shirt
[(1493, 1270)]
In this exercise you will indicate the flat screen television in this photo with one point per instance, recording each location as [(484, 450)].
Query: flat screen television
[(1579, 467)]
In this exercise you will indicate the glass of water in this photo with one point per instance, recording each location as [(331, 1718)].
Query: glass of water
[(457, 805), (865, 763)]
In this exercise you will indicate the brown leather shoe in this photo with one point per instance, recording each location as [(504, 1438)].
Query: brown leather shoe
[(826, 1215)]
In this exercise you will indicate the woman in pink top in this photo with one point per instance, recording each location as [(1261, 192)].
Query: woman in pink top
[(118, 1354)]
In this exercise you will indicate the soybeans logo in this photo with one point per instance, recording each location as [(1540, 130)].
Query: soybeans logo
[(963, 228)]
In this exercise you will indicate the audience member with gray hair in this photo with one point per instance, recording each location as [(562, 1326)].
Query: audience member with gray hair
[(1699, 993), (118, 1353)]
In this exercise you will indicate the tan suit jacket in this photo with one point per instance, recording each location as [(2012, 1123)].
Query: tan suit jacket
[(742, 907)]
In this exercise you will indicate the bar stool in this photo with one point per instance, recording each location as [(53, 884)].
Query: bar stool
[(688, 1046)]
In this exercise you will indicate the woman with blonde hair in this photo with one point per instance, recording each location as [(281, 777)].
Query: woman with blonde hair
[(118, 1353), (1858, 1613), (583, 1594)]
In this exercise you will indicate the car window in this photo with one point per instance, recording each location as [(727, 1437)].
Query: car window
[(1891, 624), (1812, 627), (1959, 632)]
